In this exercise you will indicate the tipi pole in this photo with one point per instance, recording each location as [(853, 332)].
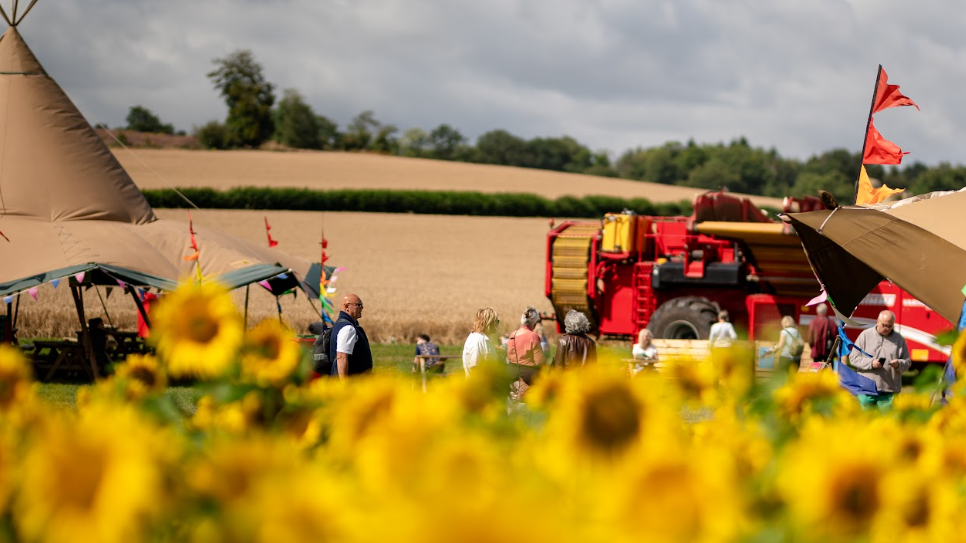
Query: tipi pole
[(5, 18), (13, 16), (865, 136), (26, 11)]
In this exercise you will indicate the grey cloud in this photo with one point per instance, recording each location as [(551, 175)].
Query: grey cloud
[(615, 74)]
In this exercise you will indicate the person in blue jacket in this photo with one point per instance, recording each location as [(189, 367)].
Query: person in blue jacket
[(350, 349)]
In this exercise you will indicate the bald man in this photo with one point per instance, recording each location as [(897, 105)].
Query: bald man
[(888, 361), (350, 349)]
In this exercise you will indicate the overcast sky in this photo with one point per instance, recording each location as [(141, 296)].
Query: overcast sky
[(796, 75)]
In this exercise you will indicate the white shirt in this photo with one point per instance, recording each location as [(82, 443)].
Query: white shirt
[(722, 335), (649, 353), (476, 348), (346, 341)]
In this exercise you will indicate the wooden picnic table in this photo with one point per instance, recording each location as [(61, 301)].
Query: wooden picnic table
[(66, 355)]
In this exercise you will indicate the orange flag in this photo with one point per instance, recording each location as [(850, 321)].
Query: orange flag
[(271, 242), (194, 243), (869, 195), (887, 95), (879, 150)]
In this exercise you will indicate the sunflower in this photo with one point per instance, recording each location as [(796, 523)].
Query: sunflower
[(197, 331), (142, 375), (835, 477), (96, 477), (807, 393), (270, 356), (15, 378)]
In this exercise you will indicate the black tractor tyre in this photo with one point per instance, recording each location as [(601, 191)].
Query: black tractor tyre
[(688, 317)]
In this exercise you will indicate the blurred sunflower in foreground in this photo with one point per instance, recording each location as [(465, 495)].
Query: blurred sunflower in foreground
[(197, 331)]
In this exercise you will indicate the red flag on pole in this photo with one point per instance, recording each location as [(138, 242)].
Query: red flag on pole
[(271, 242), (194, 243), (887, 95), (879, 150)]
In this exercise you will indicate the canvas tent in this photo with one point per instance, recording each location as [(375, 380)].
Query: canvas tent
[(918, 244), (67, 204)]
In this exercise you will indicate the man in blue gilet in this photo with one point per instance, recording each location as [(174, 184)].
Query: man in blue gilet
[(350, 346)]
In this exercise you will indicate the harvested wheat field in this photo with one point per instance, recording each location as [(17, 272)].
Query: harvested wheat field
[(415, 273), (162, 168)]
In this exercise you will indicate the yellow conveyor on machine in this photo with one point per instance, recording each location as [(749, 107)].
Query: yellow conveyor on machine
[(570, 256)]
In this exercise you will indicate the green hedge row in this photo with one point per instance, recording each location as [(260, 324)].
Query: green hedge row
[(411, 201)]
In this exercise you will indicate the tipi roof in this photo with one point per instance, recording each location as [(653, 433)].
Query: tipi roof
[(66, 203)]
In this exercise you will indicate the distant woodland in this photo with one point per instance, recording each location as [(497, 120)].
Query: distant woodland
[(255, 118)]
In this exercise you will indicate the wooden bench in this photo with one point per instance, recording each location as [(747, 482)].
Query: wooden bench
[(698, 350), (422, 363)]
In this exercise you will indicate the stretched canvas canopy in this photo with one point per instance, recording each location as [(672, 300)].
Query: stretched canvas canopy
[(67, 204), (918, 244)]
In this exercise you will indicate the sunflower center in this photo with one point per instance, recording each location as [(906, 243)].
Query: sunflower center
[(857, 497), (269, 348), (916, 514), (144, 375), (202, 328), (612, 418)]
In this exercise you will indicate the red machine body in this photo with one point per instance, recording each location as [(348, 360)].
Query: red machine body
[(673, 274)]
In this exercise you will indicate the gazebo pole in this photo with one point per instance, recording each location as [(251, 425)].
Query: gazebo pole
[(104, 306), (247, 290), (137, 302), (78, 295), (16, 312)]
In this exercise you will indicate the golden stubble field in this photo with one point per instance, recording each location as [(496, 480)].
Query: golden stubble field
[(162, 168), (415, 273)]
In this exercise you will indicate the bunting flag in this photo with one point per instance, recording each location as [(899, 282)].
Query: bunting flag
[(268, 228), (8, 299), (887, 95), (120, 283), (879, 150), (821, 298), (33, 292), (55, 282), (194, 243), (266, 285), (79, 277), (869, 195)]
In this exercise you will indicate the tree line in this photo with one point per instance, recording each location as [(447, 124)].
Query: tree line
[(254, 118)]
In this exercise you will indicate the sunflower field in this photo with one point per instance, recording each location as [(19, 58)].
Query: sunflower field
[(699, 453)]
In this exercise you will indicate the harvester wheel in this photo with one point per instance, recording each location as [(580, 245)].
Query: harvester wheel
[(688, 317)]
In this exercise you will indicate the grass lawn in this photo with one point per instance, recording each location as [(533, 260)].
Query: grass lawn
[(387, 358)]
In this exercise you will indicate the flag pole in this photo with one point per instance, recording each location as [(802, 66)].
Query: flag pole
[(865, 137)]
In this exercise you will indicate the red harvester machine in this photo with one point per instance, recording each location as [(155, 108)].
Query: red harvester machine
[(673, 274)]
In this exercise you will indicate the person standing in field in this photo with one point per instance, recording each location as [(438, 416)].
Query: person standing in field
[(574, 348), (350, 349), (722, 332), (821, 334), (478, 346), (888, 359), (524, 353)]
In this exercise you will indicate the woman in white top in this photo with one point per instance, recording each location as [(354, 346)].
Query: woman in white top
[(722, 332), (644, 352), (478, 346)]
